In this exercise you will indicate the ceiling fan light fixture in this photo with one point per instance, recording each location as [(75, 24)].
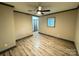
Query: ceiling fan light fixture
[(39, 13)]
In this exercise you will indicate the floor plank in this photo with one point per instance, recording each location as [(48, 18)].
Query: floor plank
[(42, 45)]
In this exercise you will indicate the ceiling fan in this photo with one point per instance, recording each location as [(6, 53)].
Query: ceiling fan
[(39, 10)]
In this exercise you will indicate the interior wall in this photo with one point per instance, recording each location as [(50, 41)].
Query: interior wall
[(23, 25), (7, 30), (65, 25), (77, 33)]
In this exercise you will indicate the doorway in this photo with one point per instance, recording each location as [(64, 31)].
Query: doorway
[(35, 23)]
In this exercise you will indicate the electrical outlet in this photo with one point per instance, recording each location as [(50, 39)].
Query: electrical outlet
[(5, 45)]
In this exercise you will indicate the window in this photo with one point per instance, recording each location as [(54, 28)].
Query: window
[(51, 22)]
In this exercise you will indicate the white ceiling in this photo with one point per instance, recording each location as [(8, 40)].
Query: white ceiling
[(53, 6)]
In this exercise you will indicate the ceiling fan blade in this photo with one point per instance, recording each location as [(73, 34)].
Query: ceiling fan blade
[(45, 10), (33, 9), (42, 13)]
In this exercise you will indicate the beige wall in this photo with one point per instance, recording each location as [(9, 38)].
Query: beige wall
[(65, 25), (23, 25), (7, 32), (77, 33)]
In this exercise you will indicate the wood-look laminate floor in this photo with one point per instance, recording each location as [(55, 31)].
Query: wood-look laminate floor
[(41, 45)]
